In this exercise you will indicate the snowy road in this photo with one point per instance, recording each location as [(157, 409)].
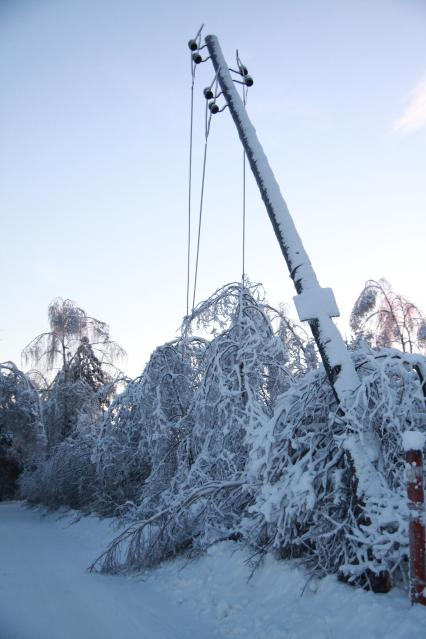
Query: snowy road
[(46, 593)]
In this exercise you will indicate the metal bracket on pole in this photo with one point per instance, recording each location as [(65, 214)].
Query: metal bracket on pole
[(315, 304)]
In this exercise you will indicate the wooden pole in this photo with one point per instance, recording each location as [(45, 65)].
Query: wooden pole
[(413, 444), (313, 303)]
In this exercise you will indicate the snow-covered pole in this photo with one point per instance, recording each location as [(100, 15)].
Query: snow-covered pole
[(313, 303), (413, 442)]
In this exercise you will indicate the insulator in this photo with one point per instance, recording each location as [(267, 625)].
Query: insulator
[(248, 80), (208, 93), (213, 107), (243, 69), (192, 44), (197, 58)]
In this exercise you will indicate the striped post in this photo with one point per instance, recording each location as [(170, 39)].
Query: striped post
[(413, 444)]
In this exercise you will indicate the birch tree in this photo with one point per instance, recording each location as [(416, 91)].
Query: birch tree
[(387, 319)]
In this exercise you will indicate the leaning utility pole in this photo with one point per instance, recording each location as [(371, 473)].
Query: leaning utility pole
[(313, 303)]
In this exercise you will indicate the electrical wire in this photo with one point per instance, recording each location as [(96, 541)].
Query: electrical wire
[(193, 65), (207, 122), (245, 91)]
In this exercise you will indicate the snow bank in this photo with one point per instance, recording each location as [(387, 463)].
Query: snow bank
[(280, 601)]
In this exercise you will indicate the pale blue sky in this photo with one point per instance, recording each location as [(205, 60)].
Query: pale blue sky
[(94, 144)]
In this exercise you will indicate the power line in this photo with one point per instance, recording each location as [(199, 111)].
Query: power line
[(244, 200), (207, 121), (190, 183)]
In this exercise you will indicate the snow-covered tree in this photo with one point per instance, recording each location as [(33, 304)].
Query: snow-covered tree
[(21, 430), (301, 352), (236, 383), (386, 319), (72, 404), (136, 450), (79, 347), (296, 482), (70, 327), (336, 496)]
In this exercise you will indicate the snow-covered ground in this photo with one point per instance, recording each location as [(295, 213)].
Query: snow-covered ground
[(46, 593)]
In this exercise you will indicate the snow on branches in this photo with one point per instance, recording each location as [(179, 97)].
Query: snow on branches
[(70, 326), (267, 458), (386, 319), (235, 385), (236, 433), (337, 497), (22, 436)]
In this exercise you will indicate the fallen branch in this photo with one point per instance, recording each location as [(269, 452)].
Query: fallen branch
[(107, 558)]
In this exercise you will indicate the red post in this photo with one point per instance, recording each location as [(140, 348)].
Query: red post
[(416, 505)]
